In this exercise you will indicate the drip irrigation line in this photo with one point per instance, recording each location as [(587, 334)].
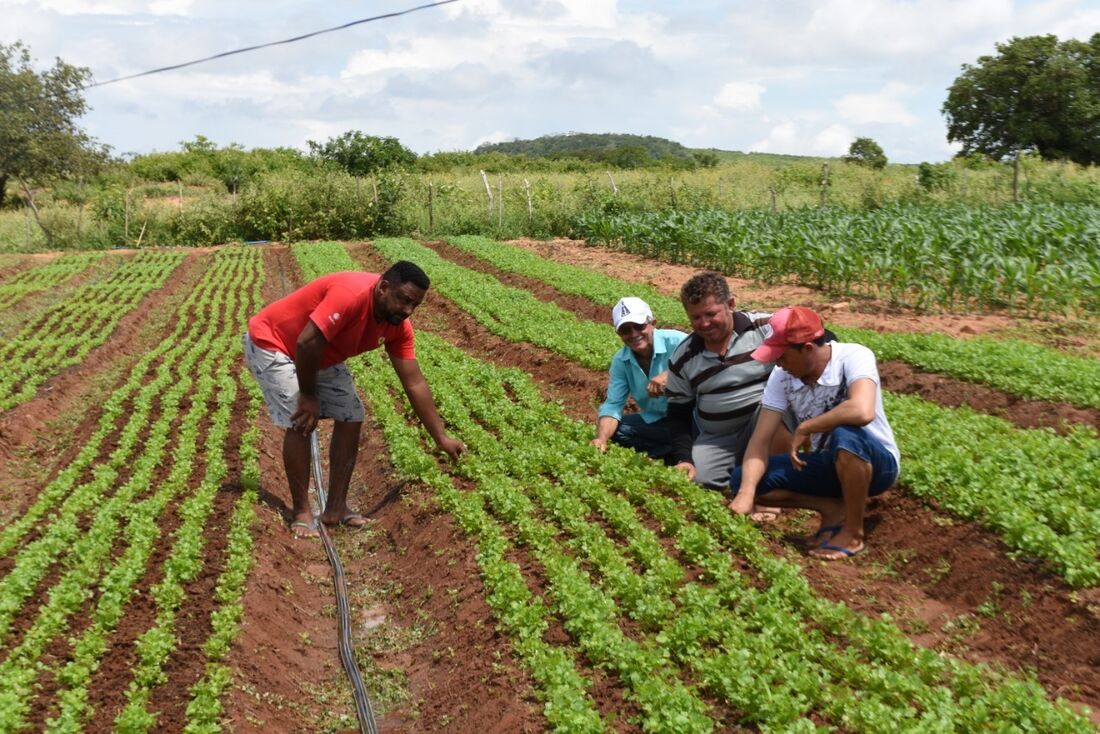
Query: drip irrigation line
[(363, 708)]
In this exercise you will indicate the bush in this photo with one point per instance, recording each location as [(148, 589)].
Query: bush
[(935, 176)]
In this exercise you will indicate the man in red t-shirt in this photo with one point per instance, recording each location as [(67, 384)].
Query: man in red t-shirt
[(296, 347)]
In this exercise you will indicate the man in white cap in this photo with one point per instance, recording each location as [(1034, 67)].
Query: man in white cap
[(640, 370), (834, 391)]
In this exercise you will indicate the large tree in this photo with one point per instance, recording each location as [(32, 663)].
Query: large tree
[(1036, 93), (362, 155), (40, 140)]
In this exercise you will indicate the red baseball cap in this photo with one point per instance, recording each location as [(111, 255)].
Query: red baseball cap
[(790, 325)]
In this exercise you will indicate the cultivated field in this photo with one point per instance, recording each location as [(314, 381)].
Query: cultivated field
[(148, 582)]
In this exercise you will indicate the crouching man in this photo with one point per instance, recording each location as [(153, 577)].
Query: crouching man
[(639, 370), (834, 391)]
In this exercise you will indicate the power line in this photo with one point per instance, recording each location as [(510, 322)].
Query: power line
[(295, 39)]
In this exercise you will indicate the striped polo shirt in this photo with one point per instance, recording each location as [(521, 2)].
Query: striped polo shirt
[(726, 390)]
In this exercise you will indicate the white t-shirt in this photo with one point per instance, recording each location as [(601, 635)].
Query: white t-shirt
[(848, 363)]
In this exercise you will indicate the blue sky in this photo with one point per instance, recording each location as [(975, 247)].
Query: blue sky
[(797, 77)]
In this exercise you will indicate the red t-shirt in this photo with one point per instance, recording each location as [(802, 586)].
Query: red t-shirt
[(340, 305)]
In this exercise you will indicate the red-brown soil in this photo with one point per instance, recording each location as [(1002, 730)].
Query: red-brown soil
[(1081, 338), (414, 568), (925, 569)]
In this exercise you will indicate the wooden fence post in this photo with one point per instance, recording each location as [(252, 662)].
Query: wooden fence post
[(488, 194), (672, 191), (614, 188), (530, 210), (824, 183), (775, 205), (80, 211), (1016, 178), (431, 210), (126, 218)]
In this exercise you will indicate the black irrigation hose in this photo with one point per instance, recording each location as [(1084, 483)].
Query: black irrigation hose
[(363, 707)]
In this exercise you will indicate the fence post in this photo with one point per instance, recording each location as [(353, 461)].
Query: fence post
[(126, 218), (824, 183), (80, 211), (180, 184), (431, 210), (500, 200), (614, 188), (488, 194), (1016, 178), (672, 191), (775, 206), (530, 211)]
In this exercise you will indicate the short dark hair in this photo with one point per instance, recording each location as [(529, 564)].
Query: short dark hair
[(403, 271), (701, 285)]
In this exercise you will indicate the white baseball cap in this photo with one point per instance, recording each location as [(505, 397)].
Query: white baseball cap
[(630, 310)]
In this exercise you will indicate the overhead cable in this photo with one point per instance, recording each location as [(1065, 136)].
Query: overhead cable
[(285, 41)]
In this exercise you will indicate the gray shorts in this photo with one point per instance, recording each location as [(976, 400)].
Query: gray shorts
[(716, 454), (278, 380)]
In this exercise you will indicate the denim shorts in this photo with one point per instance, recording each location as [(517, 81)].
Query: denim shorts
[(819, 477), (278, 379)]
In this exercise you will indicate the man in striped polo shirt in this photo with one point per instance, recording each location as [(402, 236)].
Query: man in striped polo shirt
[(714, 381)]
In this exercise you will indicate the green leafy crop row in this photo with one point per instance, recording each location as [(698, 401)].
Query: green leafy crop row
[(1066, 545), (1014, 366)]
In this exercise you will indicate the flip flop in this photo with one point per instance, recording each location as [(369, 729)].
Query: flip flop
[(824, 534), (303, 529), (764, 516), (352, 520), (845, 553)]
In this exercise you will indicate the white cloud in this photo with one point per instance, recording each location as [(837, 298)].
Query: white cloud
[(791, 138), (832, 141), (740, 95), (783, 138), (803, 77), (884, 106)]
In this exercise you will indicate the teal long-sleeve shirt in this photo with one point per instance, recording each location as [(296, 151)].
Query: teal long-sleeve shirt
[(626, 378)]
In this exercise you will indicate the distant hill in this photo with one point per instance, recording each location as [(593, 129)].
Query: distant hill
[(588, 145), (626, 149), (773, 159)]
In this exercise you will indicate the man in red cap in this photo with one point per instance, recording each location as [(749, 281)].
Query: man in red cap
[(834, 391)]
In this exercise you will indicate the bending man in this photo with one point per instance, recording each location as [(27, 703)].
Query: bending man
[(296, 348), (834, 391)]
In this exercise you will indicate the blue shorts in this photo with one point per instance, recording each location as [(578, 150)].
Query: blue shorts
[(650, 438), (818, 477)]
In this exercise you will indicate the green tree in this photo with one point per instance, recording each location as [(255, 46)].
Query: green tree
[(1036, 94), (361, 155), (866, 152), (40, 140)]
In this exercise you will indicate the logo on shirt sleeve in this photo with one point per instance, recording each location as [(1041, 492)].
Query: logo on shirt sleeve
[(334, 317)]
